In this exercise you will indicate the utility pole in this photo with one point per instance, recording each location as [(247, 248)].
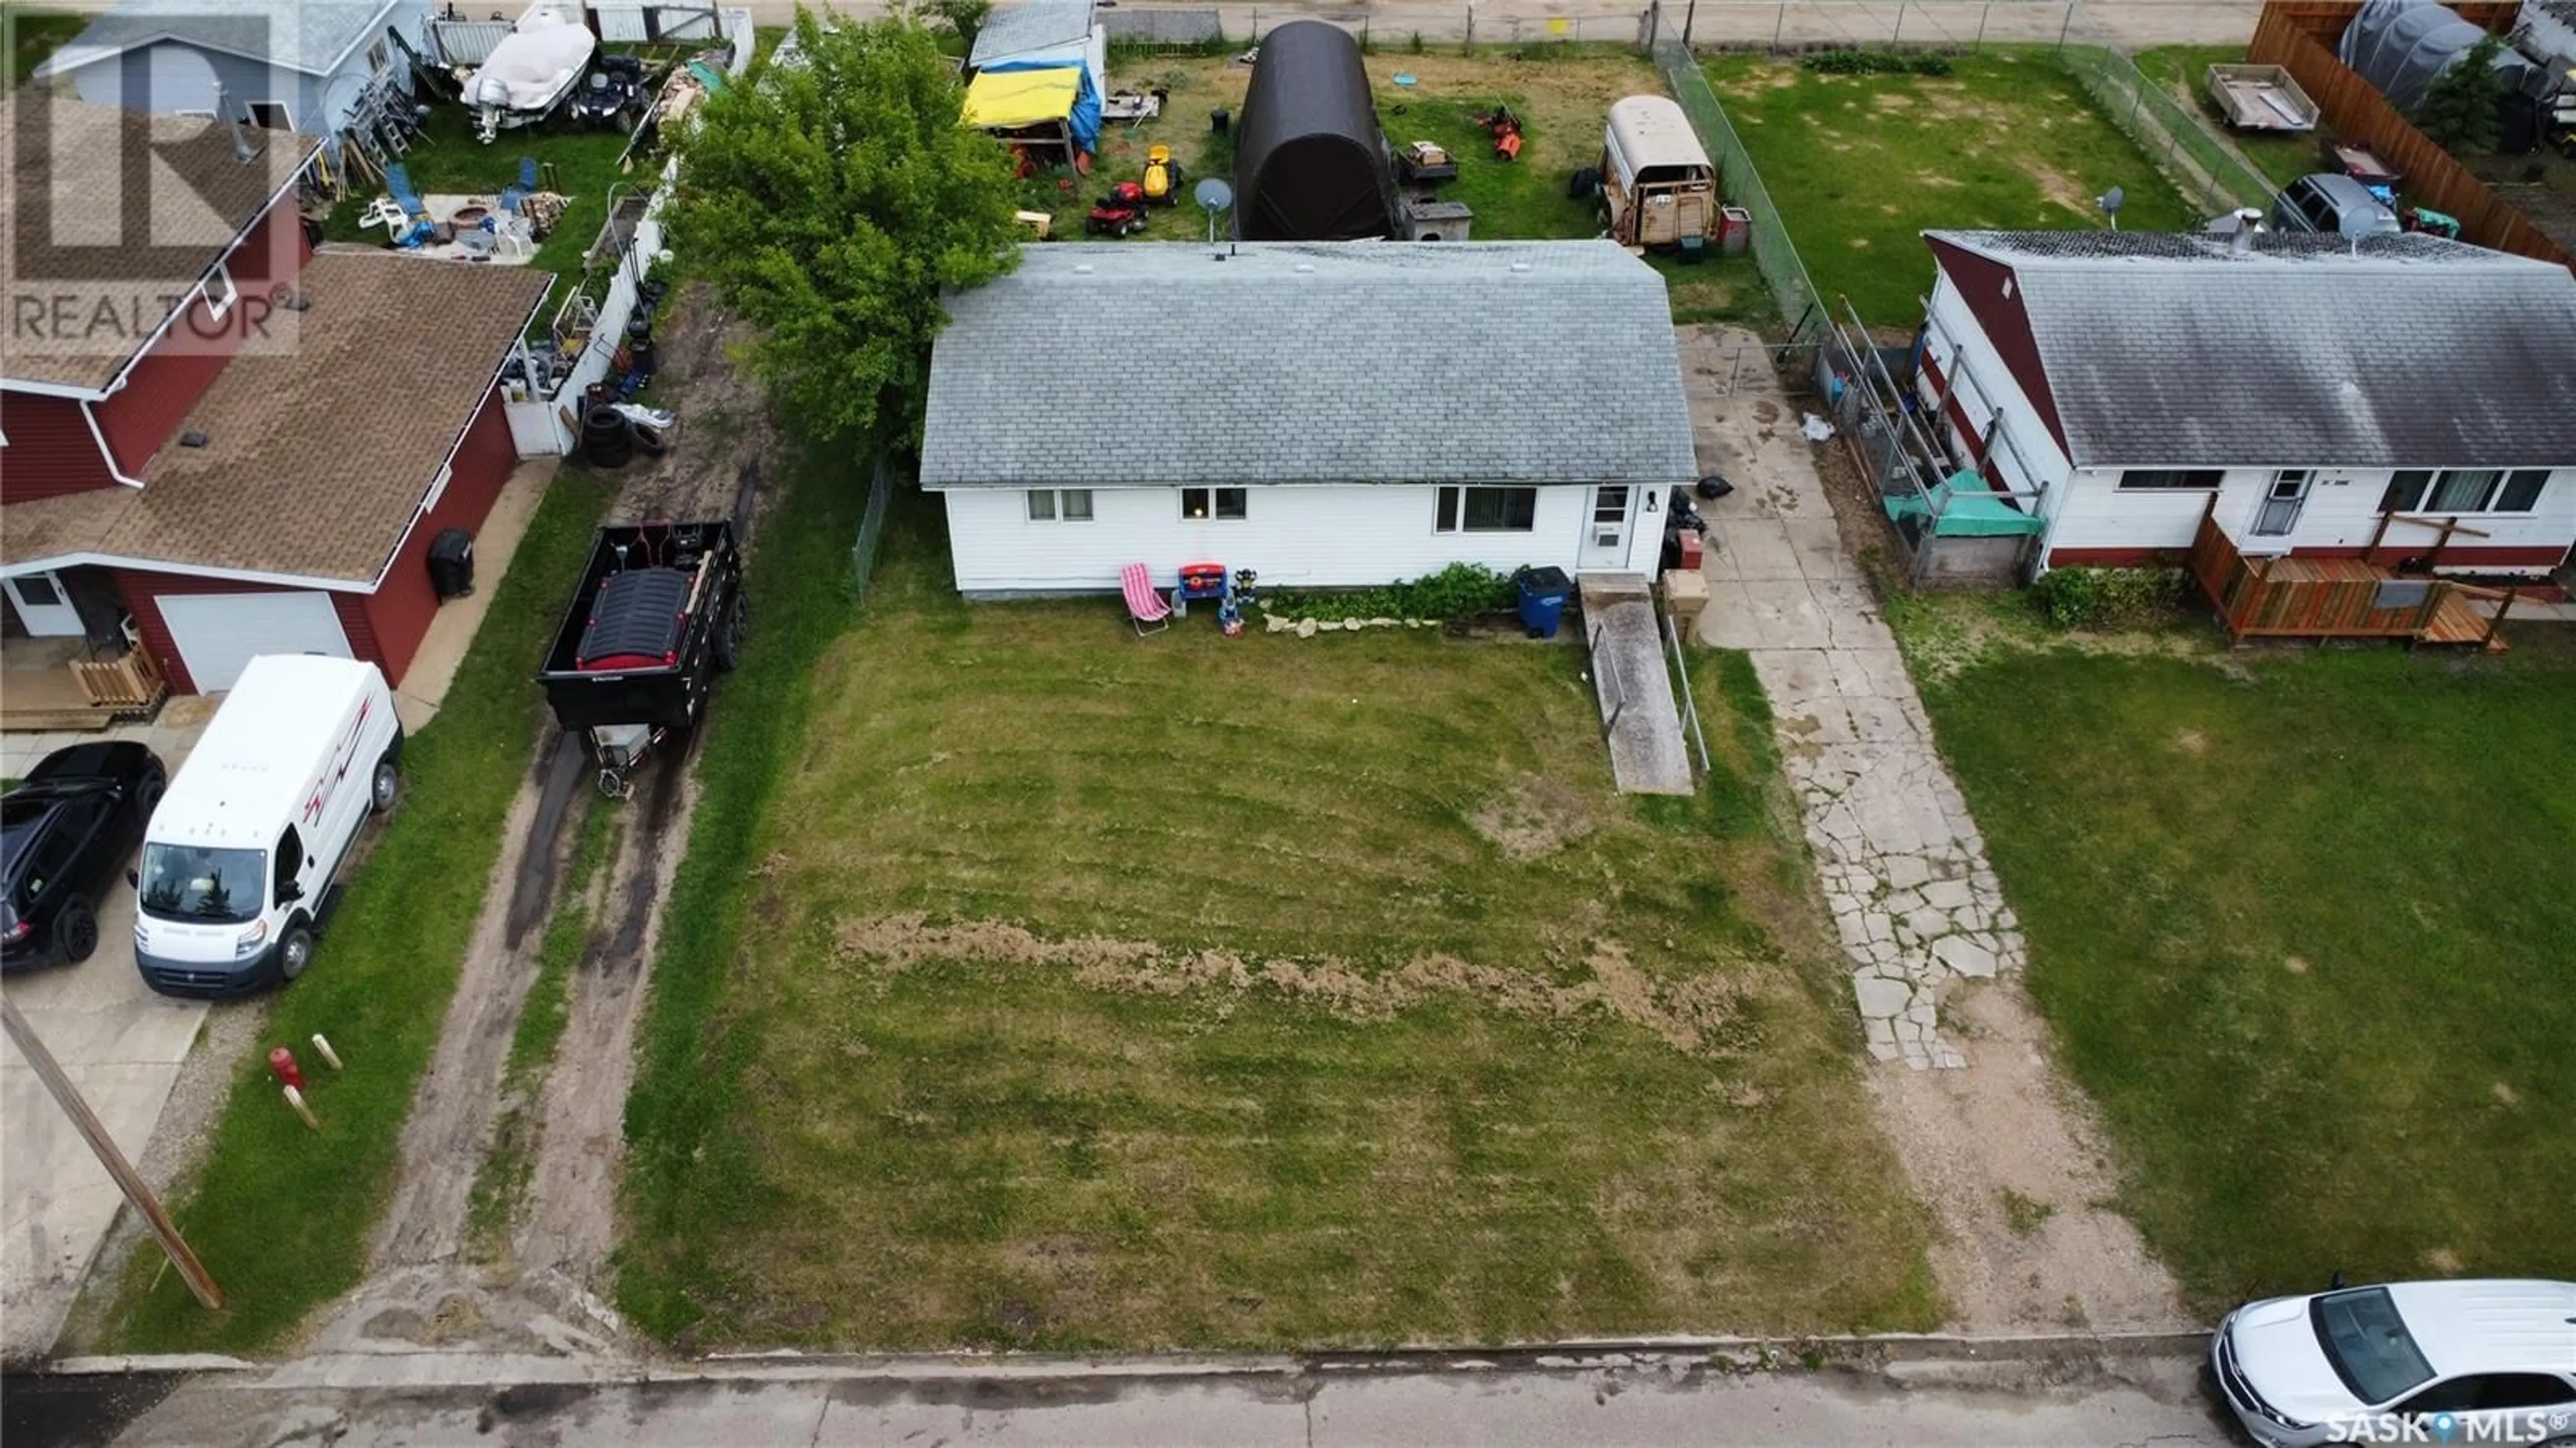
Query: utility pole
[(68, 1097)]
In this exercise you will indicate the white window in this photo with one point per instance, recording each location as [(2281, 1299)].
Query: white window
[(379, 56), (1059, 505), (1490, 510), (220, 292), (2464, 490), (1225, 505)]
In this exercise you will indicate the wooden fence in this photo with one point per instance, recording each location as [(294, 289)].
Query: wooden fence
[(2348, 598), (2300, 35)]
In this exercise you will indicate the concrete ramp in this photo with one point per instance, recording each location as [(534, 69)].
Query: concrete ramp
[(1634, 685)]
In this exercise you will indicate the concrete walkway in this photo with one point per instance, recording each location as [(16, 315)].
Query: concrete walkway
[(1634, 685), (1903, 868)]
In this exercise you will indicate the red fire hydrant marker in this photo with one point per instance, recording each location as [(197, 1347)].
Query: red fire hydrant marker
[(281, 1064)]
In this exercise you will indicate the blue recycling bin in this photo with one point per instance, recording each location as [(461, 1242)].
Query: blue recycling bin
[(1543, 595)]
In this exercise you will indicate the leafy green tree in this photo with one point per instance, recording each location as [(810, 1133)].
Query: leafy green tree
[(965, 17), (2458, 111), (830, 202)]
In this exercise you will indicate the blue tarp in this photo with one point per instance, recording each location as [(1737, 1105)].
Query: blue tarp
[(1084, 120)]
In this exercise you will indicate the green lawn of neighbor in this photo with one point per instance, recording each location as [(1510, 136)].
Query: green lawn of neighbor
[(2184, 69), (2302, 921), (1031, 984), (32, 35), (1860, 165)]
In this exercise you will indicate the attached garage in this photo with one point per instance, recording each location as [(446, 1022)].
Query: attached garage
[(217, 634)]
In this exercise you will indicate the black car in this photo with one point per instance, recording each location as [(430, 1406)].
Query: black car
[(64, 834)]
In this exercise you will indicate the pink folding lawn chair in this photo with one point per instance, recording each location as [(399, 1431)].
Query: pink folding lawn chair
[(1144, 605)]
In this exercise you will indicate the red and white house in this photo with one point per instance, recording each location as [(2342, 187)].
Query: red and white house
[(2331, 398), (216, 441)]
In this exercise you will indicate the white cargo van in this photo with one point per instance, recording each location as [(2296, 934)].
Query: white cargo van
[(239, 859)]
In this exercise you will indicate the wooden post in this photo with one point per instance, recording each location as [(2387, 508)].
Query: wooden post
[(138, 1195), (2370, 555), (2504, 606), (2449, 526)]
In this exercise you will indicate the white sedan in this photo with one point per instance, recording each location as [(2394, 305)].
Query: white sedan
[(2409, 1362)]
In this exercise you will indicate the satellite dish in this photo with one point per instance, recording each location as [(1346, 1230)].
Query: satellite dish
[(2110, 202), (1213, 196)]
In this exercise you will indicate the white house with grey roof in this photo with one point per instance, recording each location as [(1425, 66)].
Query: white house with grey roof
[(1329, 414), (2313, 395), (289, 65)]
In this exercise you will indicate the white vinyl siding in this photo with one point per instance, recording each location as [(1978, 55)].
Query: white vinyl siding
[(1352, 536)]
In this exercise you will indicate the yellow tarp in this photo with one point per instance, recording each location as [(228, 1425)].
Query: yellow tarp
[(998, 100)]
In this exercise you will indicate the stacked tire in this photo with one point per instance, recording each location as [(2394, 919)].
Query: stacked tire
[(606, 440)]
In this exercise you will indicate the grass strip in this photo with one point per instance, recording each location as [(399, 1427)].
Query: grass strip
[(680, 1171), (281, 1215)]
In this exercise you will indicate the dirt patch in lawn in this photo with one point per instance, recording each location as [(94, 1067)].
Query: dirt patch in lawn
[(2057, 186), (1689, 1014), (1535, 816)]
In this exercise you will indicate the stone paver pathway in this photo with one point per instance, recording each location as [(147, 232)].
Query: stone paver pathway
[(1902, 865)]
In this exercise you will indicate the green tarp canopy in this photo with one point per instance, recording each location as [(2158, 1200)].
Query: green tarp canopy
[(1963, 506)]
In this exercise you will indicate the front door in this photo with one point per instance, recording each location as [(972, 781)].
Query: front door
[(2283, 497), (44, 605), (1605, 528)]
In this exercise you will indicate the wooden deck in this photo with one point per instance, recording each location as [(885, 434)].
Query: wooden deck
[(2326, 598)]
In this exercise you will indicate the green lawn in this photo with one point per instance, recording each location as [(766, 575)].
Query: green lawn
[(2183, 70), (31, 35), (1030, 984), (2302, 922), (280, 1215), (1562, 93), (1859, 166)]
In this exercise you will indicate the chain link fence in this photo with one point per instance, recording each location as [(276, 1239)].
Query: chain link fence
[(863, 553), (2168, 128), (1793, 293)]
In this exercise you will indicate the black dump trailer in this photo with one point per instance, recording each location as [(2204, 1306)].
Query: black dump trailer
[(659, 614)]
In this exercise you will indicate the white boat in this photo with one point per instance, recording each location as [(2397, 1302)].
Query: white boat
[(530, 73)]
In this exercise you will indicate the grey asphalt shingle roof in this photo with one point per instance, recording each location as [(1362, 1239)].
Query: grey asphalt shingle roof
[(2406, 351), (306, 35), (1031, 25), (1326, 362)]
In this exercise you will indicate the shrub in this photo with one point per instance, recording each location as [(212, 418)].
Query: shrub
[(1461, 590), (2107, 598), (1875, 62)]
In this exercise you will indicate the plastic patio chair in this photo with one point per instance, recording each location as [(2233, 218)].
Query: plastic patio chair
[(1144, 605)]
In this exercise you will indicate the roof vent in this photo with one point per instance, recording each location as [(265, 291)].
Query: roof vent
[(1305, 268), (193, 439), (1082, 269), (1520, 266)]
